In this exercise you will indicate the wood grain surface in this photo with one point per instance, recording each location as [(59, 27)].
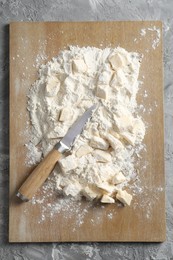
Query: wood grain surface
[(145, 219)]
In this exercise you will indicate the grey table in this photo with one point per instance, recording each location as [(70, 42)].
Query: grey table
[(85, 10)]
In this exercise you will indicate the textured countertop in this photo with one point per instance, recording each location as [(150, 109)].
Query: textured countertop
[(85, 10)]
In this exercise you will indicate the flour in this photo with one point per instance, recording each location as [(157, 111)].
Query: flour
[(156, 39), (68, 85)]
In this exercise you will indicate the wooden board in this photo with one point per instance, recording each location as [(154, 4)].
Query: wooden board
[(145, 219)]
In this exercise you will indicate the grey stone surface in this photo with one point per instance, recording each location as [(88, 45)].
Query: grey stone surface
[(80, 10)]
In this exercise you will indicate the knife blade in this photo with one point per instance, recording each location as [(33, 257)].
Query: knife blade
[(42, 171), (76, 129)]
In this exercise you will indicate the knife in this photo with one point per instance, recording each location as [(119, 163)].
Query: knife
[(42, 171)]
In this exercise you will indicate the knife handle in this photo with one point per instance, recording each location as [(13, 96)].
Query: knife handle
[(38, 176)]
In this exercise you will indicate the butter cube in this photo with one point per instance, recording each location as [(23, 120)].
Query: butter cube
[(118, 178), (91, 193), (116, 61), (124, 197), (102, 91), (124, 122), (70, 83), (68, 163), (79, 66), (52, 86), (130, 138), (72, 189), (107, 199), (106, 172), (83, 150), (114, 81), (108, 188), (115, 134), (101, 156), (114, 142), (66, 114), (99, 143), (64, 182)]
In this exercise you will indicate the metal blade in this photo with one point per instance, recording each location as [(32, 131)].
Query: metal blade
[(77, 127)]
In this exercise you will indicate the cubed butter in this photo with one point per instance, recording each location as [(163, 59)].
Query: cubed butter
[(130, 138), (83, 150), (124, 122), (66, 114), (115, 134), (101, 156), (124, 197), (118, 178), (108, 188), (72, 189), (114, 142), (107, 199), (70, 83), (116, 61), (114, 81), (79, 65), (99, 143), (52, 86), (102, 91), (68, 163), (91, 193)]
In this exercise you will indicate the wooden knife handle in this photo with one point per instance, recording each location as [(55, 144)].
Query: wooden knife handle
[(38, 176)]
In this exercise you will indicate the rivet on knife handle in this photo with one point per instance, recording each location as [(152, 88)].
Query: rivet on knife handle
[(42, 171)]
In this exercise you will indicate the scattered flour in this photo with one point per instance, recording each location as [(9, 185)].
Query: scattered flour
[(156, 40), (102, 159), (49, 200)]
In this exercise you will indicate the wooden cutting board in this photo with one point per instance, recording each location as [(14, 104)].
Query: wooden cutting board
[(31, 43)]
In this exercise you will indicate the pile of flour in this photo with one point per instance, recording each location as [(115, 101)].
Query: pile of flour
[(102, 161)]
